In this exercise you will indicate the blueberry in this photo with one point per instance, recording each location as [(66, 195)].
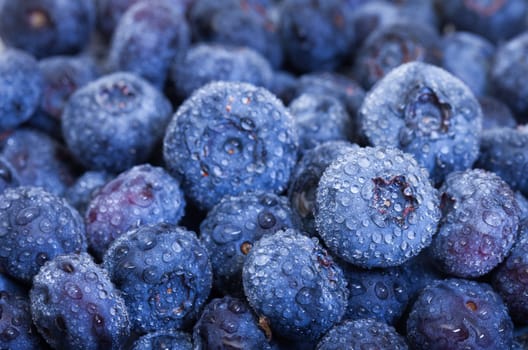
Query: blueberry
[(8, 175), (291, 281), (36, 226), (362, 334), (39, 160), (21, 86), (142, 195), (11, 286), (319, 118), (459, 314), (391, 46), (148, 37), (204, 63), (83, 190), (375, 207), (427, 112), (164, 274), (229, 322), (164, 339), (47, 27), (523, 205), (504, 151), (305, 179), (420, 271), (496, 114), (115, 122), (232, 227), (75, 306), (283, 85), (480, 218), (510, 279), (373, 15), (316, 35), (468, 57), (228, 138)]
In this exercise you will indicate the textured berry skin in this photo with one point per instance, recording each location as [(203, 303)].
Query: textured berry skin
[(381, 294), (75, 306), (164, 339), (495, 20), (83, 190), (8, 175), (36, 226), (229, 322), (204, 63), (504, 151), (523, 205), (164, 274), (496, 114), (468, 57), (47, 27), (248, 23), (115, 122), (21, 85), (362, 334), (148, 37), (510, 279), (427, 112), (292, 281), (38, 160), (305, 178), (141, 195), (459, 314), (319, 118), (228, 138), (232, 227), (480, 219), (17, 331), (506, 75), (316, 35), (391, 46), (375, 207)]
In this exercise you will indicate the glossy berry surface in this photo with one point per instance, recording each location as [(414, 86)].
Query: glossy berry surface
[(376, 207), (36, 226), (164, 339), (228, 138), (75, 306), (164, 274), (142, 195)]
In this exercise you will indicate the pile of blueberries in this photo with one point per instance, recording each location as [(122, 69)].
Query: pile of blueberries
[(264, 174)]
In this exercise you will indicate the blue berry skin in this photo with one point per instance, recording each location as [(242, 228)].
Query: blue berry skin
[(506, 75), (468, 57), (523, 205), (283, 85), (290, 280), (420, 271), (75, 306), (375, 207), (142, 195), (228, 138), (36, 226), (494, 20), (480, 219), (229, 323), (510, 279), (164, 274), (8, 175), (504, 151), (231, 227), (372, 15), (427, 112), (17, 331), (391, 46), (362, 334), (496, 114), (21, 85), (459, 314), (115, 122), (319, 118), (165, 339), (316, 35), (47, 27), (306, 176), (238, 23), (39, 160), (11, 286), (83, 190), (148, 38), (205, 63), (381, 294)]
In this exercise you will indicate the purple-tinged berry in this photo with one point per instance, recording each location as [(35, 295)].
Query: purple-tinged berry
[(85, 187), (165, 339)]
